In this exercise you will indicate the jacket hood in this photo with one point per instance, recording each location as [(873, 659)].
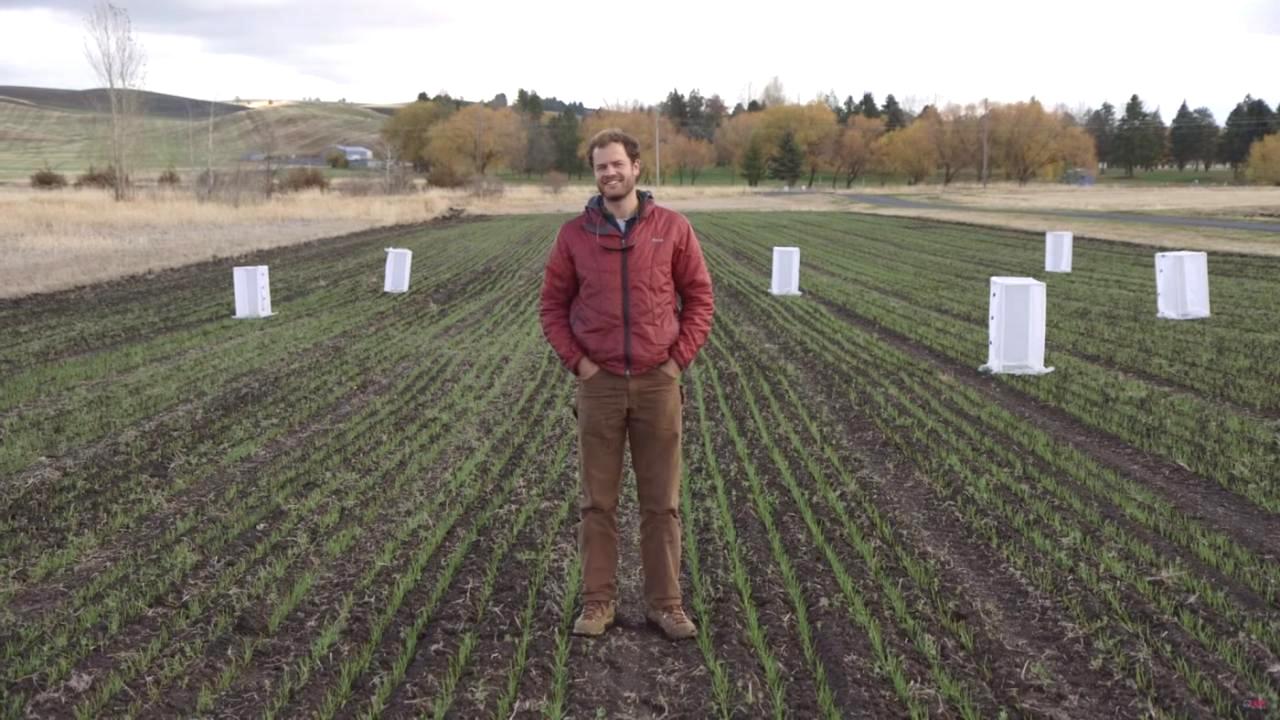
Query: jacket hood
[(593, 215), (597, 202)]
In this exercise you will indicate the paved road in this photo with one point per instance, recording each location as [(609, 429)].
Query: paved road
[(901, 202)]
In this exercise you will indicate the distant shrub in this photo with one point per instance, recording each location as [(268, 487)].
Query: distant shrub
[(47, 179), (443, 176), (94, 178), (169, 178), (337, 160), (298, 179)]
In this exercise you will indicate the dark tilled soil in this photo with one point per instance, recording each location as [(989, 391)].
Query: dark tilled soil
[(1016, 627), (1197, 497), (1061, 680), (633, 670), (840, 645), (1030, 658)]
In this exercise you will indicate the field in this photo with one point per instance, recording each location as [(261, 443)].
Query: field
[(69, 140), (365, 505)]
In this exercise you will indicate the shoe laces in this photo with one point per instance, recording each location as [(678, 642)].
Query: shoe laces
[(674, 612), (595, 609)]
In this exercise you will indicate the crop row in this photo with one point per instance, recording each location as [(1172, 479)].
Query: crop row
[(1005, 478), (1235, 450), (281, 499), (96, 499)]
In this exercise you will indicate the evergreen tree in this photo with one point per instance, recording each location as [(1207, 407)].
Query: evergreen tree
[(867, 106), (1236, 136), (1206, 137), (787, 164), (1250, 121), (848, 110), (529, 104), (1132, 137), (1184, 137), (1155, 141), (1262, 118), (565, 138), (696, 125), (423, 97), (676, 109), (755, 106), (1101, 125), (753, 162), (894, 118)]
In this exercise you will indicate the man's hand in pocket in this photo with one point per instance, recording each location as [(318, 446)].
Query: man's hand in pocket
[(587, 369), (671, 369)]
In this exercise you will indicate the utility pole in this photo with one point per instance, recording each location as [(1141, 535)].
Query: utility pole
[(986, 112), (208, 158), (657, 146)]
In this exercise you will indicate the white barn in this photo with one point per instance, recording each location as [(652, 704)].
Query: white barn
[(357, 156)]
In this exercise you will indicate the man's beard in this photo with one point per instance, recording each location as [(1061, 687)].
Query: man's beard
[(623, 188)]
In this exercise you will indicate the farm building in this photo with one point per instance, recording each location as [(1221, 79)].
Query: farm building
[(357, 156)]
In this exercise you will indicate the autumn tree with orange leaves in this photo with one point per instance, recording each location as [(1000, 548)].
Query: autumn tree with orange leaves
[(477, 139)]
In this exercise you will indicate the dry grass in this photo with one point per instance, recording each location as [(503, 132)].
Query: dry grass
[(51, 241), (1171, 237), (1011, 206), (1180, 200)]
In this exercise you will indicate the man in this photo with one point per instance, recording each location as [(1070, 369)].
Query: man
[(626, 304)]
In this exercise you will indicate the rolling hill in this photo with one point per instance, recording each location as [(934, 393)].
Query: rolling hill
[(95, 100), (65, 130)]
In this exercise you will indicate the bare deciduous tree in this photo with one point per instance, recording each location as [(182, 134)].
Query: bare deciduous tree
[(267, 142), (773, 93), (119, 62)]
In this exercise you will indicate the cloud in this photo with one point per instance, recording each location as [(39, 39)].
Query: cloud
[(283, 30), (382, 50)]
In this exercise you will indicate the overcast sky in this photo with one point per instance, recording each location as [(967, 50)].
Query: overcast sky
[(1076, 53)]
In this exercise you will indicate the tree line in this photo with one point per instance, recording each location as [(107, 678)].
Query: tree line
[(848, 140), (1140, 139)]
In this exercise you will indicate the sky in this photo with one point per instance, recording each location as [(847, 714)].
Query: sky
[(1077, 53)]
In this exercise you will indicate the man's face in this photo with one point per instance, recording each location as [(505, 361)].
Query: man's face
[(615, 173)]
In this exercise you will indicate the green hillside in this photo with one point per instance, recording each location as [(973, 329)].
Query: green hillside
[(65, 130)]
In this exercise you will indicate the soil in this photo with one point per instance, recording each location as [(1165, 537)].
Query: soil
[(1030, 656)]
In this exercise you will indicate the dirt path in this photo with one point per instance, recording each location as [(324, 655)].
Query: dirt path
[(895, 201)]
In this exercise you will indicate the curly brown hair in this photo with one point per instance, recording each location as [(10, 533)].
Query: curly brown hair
[(609, 136)]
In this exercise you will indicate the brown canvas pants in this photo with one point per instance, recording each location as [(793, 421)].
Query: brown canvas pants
[(644, 410)]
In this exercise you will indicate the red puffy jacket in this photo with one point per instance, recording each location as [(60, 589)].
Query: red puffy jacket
[(627, 302)]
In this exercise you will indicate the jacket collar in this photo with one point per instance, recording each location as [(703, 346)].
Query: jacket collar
[(596, 218)]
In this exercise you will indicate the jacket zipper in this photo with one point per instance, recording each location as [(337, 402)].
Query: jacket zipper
[(626, 307)]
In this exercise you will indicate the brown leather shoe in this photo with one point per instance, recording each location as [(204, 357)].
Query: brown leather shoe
[(596, 617), (672, 621)]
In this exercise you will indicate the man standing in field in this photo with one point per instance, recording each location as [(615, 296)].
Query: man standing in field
[(626, 304)]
